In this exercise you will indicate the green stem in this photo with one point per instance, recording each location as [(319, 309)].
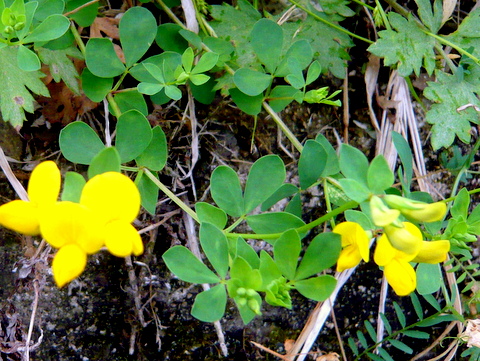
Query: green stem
[(302, 229), (453, 46), (171, 195), (78, 38), (283, 127), (383, 15), (116, 110), (119, 82), (337, 27), (170, 14)]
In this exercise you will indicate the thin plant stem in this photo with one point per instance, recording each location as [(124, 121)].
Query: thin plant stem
[(170, 14), (78, 38), (291, 137)]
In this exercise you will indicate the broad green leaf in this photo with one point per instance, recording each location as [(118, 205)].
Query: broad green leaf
[(302, 52), (199, 79), (211, 214), (173, 92), (206, 63), (286, 190), (322, 253), (176, 259), (461, 204), (72, 187), (353, 164), (16, 85), (187, 59), (94, 87), (51, 28), (317, 288), (226, 191), (251, 82), (281, 96), (379, 175), (85, 16), (314, 71), (209, 305), (295, 76), (150, 88), (128, 100), (267, 42), (332, 165), (243, 272), (165, 65), (268, 269), (247, 104), (429, 278), (204, 93), (192, 38), (47, 8), (28, 9), (355, 190), (214, 245), (359, 217), (266, 175), (432, 18), (154, 157), (107, 160), (311, 163), (27, 59), (286, 251), (405, 45), (133, 135), (275, 222), (101, 58), (136, 21), (223, 48), (61, 66), (169, 39), (246, 251), (295, 206), (79, 143), (148, 192)]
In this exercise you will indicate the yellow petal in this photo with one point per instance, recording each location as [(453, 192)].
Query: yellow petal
[(433, 252), (381, 214), (349, 258), (407, 239), (384, 252), (44, 184), (122, 239), (431, 212), (68, 222), (112, 195), (353, 234), (68, 264), (401, 276), (20, 216)]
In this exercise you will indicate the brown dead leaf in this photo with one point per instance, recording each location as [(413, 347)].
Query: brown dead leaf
[(331, 356), (102, 27), (288, 344)]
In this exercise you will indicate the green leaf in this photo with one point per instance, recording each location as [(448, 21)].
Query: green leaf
[(214, 245), (226, 191), (400, 314), (353, 164), (79, 143), (132, 99), (85, 16), (450, 92), (286, 190), (94, 87), (173, 92), (275, 222), (101, 58), (286, 251), (379, 175), (154, 157), (461, 204), (247, 104), (133, 135), (322, 253), (47, 8), (405, 154), (27, 59), (266, 175), (281, 96), (385, 355), (406, 45), (401, 346), (355, 190), (72, 187), (204, 93), (386, 322), (314, 72), (251, 82), (417, 306), (416, 334), (265, 32), (311, 163), (359, 217), (209, 306), (107, 160), (51, 28), (242, 271), (223, 48), (192, 38), (187, 59), (332, 165), (135, 21), (246, 251), (317, 288), (206, 63), (148, 192), (61, 66), (169, 39), (150, 88), (429, 278), (268, 270), (16, 85), (432, 18), (302, 52), (178, 256), (211, 214)]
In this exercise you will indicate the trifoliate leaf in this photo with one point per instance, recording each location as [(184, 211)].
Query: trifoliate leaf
[(15, 96), (407, 46), (450, 92), (61, 67)]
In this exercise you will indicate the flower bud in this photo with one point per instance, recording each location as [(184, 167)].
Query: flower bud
[(254, 306), (415, 210), (381, 214)]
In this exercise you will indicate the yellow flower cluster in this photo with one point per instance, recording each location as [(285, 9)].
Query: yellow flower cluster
[(400, 243), (108, 204)]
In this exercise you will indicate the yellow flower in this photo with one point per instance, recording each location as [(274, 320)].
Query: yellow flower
[(417, 211), (68, 264), (355, 244), (115, 200), (381, 214), (43, 189), (407, 238), (433, 252)]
